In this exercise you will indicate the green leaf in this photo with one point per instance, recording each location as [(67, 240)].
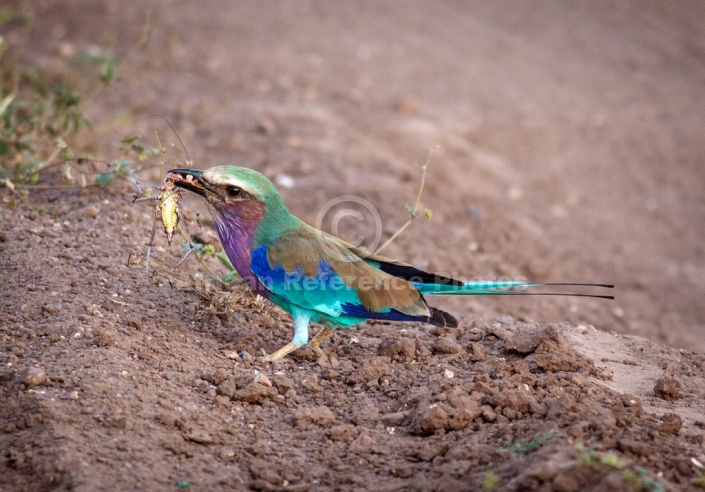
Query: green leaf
[(491, 481), (126, 143), (107, 71), (230, 277), (612, 460), (38, 82), (225, 260), (104, 179), (65, 98), (6, 103)]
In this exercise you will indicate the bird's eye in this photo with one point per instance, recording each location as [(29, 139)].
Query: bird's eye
[(233, 191)]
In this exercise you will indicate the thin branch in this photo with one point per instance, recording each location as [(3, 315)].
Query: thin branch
[(53, 187), (149, 27), (414, 213), (210, 270)]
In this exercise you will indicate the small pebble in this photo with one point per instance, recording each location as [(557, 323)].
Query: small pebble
[(34, 376), (91, 212), (227, 454), (668, 388), (475, 212), (262, 379), (66, 49)]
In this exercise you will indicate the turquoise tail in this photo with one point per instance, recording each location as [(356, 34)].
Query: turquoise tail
[(508, 288)]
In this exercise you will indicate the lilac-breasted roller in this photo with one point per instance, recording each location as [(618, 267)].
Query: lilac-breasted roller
[(315, 276)]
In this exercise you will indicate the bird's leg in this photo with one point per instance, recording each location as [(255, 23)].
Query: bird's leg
[(322, 335), (279, 354), (300, 338)]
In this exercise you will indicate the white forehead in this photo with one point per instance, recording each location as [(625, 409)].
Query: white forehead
[(215, 176)]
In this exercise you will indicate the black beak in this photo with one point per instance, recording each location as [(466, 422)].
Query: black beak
[(188, 179)]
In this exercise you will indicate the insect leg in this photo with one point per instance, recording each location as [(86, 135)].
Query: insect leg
[(157, 214), (180, 212), (139, 197), (198, 215)]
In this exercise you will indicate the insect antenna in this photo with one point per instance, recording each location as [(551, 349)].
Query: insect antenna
[(188, 158)]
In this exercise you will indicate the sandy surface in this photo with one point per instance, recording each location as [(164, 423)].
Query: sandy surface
[(567, 146)]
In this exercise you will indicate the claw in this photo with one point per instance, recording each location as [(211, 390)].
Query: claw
[(282, 352), (322, 335)]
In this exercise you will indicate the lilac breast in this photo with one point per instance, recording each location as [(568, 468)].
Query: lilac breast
[(237, 236)]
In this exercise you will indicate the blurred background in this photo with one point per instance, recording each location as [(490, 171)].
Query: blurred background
[(567, 137)]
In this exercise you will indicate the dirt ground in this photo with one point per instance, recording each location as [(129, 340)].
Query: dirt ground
[(567, 145)]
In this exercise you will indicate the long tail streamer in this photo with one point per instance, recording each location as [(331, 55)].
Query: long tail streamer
[(509, 288)]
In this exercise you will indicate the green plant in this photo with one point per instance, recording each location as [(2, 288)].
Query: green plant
[(414, 212), (699, 480), (491, 481), (37, 117), (602, 462), (40, 114), (637, 480), (524, 446), (605, 463)]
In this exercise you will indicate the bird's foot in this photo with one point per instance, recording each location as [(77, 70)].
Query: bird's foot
[(314, 344), (279, 354), (317, 350)]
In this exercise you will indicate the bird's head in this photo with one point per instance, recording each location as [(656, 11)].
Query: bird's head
[(236, 196)]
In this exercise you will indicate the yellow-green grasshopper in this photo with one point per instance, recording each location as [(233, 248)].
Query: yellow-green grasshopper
[(168, 211)]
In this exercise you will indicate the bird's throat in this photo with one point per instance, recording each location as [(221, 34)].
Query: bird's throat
[(237, 225)]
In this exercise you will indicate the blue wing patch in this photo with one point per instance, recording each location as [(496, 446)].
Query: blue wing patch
[(260, 266), (359, 311), (325, 293), (322, 293), (276, 277)]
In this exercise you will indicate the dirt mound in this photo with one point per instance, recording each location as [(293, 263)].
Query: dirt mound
[(106, 386)]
